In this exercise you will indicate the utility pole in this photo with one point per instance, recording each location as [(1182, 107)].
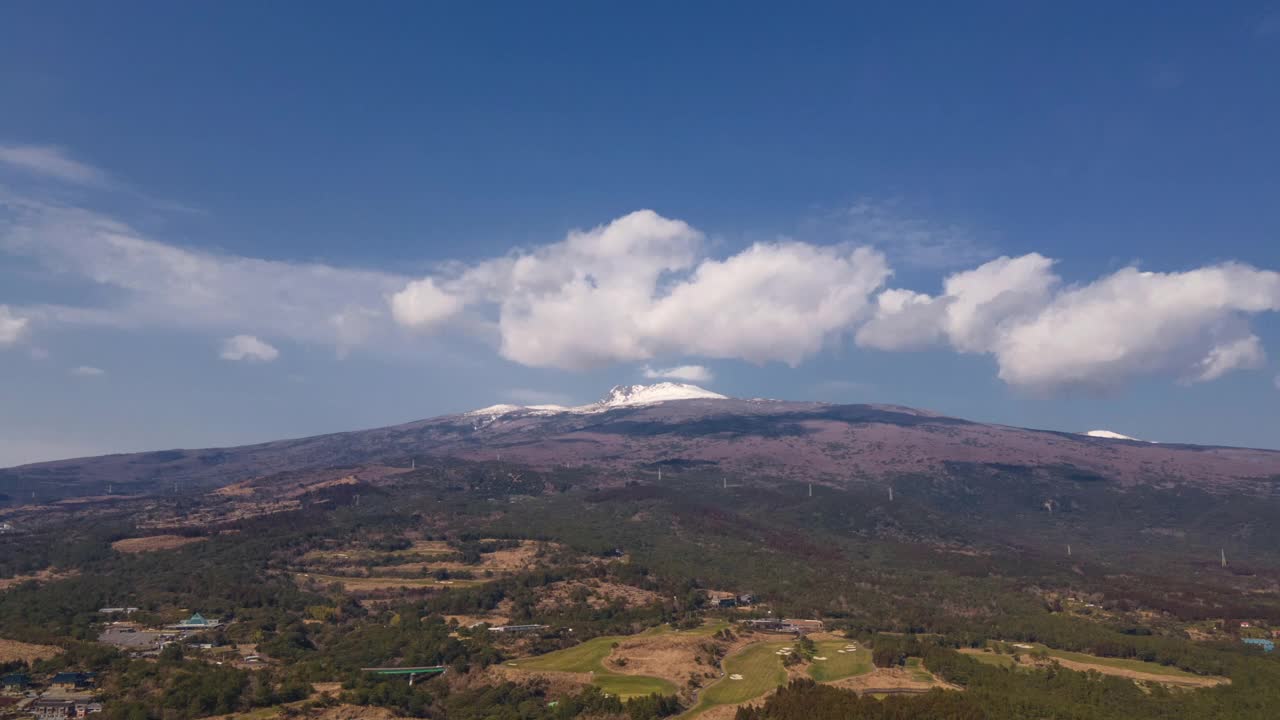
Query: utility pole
[(725, 480), (890, 493), (1223, 551), (1068, 549), (659, 473), (810, 489)]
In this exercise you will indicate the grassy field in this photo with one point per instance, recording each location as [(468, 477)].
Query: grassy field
[(629, 686), (1122, 663), (990, 658), (915, 666), (583, 657), (588, 657), (839, 665), (761, 669)]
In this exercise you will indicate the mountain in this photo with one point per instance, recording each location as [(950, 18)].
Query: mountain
[(635, 429)]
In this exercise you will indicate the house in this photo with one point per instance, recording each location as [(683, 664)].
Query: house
[(87, 707), (746, 599), (15, 682), (72, 681), (196, 622), (53, 709)]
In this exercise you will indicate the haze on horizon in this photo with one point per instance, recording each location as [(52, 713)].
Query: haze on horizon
[(226, 224)]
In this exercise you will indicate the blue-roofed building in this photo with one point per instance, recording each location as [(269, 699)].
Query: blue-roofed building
[(1266, 645)]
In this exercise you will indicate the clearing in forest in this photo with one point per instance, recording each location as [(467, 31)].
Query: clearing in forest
[(1118, 667), (153, 543), (14, 651)]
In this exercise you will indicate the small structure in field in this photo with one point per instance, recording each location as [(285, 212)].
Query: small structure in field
[(196, 622), (515, 629), (1266, 645)]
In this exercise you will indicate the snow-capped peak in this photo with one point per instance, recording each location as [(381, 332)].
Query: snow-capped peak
[(1110, 435), (619, 396), (625, 395)]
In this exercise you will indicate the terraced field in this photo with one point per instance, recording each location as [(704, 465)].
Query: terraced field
[(840, 662)]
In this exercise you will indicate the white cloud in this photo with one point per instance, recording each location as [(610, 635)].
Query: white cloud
[(1191, 325), (51, 162), (154, 284), (1243, 354), (687, 373), (421, 304), (248, 347), (87, 371), (12, 326), (639, 287)]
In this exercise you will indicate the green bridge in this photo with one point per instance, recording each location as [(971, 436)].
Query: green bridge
[(412, 672)]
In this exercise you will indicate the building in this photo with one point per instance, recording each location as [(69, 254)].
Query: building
[(53, 709), (72, 681), (15, 682), (196, 622), (1266, 645), (118, 611)]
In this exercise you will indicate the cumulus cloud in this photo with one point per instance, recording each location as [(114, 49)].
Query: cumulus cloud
[(12, 326), (52, 162), (87, 371), (1191, 325), (639, 287), (248, 347), (687, 373)]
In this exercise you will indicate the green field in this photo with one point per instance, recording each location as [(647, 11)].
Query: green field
[(915, 666), (1122, 663), (761, 670), (991, 658), (588, 657), (839, 665)]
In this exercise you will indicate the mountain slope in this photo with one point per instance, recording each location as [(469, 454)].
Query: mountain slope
[(640, 426)]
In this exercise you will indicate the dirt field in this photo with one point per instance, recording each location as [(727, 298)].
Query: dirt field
[(12, 650), (601, 595), (893, 679), (152, 543), (43, 576)]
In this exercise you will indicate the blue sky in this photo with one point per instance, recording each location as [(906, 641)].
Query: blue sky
[(216, 208)]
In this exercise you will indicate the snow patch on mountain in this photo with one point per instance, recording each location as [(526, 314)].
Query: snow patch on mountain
[(1110, 435), (619, 396), (627, 395)]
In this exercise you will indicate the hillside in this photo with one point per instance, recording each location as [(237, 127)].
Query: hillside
[(681, 426)]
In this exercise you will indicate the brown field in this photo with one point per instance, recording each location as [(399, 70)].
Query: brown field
[(893, 678), (12, 650), (669, 656), (602, 594), (153, 543), (43, 576)]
